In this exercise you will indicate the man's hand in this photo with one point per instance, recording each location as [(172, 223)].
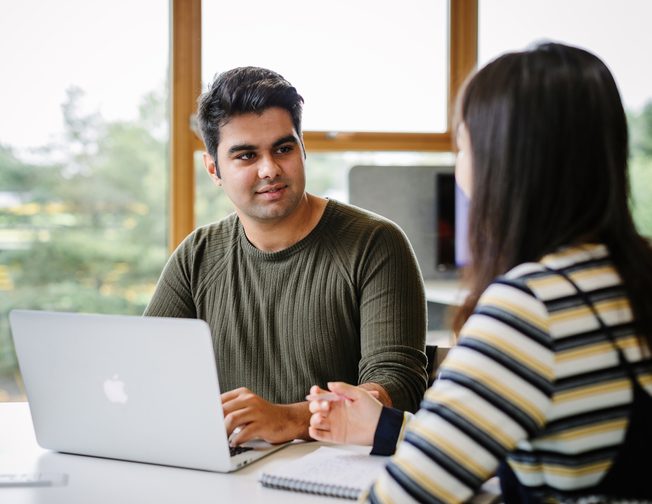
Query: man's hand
[(257, 418), (349, 417)]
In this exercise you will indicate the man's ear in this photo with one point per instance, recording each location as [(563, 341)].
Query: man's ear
[(303, 146), (212, 169)]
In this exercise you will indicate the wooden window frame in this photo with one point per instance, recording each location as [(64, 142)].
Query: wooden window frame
[(185, 84)]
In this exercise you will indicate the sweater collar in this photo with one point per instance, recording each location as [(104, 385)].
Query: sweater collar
[(280, 255)]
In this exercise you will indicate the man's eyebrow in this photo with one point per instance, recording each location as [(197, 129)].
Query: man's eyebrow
[(241, 147), (250, 147), (286, 139)]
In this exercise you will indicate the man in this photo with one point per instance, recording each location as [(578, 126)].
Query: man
[(297, 289)]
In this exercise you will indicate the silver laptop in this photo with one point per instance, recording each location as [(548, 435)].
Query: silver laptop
[(142, 389)]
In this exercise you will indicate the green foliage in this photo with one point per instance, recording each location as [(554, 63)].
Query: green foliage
[(640, 172), (14, 175), (640, 131), (640, 168), (211, 203), (87, 233)]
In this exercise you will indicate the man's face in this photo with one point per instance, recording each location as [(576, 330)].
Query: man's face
[(261, 165)]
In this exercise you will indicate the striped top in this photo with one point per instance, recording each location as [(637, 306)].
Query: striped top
[(344, 303), (534, 380)]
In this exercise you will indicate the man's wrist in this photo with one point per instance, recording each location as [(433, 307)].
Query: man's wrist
[(383, 395), (298, 416)]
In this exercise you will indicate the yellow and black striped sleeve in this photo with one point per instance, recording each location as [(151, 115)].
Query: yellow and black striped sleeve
[(493, 390)]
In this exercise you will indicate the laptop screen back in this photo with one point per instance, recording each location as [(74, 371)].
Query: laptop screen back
[(134, 388)]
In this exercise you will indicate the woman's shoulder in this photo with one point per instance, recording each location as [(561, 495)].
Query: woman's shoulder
[(589, 265)]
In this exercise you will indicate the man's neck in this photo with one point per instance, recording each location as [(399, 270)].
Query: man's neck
[(276, 235)]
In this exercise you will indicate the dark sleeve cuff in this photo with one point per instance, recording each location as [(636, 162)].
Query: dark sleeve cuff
[(387, 431)]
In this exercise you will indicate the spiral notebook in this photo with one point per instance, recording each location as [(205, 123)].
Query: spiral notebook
[(334, 472)]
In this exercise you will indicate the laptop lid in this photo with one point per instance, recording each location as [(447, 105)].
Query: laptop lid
[(133, 388)]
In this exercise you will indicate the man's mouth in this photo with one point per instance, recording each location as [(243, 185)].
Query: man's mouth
[(271, 189)]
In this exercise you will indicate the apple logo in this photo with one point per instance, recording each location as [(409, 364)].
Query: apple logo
[(114, 389)]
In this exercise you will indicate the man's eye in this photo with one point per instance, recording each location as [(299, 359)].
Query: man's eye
[(284, 149), (246, 156)]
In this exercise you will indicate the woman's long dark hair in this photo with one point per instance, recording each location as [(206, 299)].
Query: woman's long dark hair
[(549, 148)]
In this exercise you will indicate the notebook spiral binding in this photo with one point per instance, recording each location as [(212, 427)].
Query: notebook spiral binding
[(296, 485)]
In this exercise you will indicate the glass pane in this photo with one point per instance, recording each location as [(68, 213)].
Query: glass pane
[(367, 65), (618, 32), (83, 159)]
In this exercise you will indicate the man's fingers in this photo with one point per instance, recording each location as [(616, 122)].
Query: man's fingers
[(235, 405), (232, 394), (238, 418), (242, 396), (241, 401), (246, 433), (232, 406)]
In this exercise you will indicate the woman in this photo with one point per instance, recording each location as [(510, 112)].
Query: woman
[(549, 385)]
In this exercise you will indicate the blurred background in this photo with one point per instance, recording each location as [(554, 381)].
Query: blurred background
[(85, 119)]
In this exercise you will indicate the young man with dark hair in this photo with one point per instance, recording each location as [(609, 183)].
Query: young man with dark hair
[(297, 289)]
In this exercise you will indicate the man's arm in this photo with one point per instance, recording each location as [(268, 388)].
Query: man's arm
[(392, 320), (173, 294)]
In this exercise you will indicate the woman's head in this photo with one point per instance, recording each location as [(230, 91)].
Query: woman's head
[(549, 147)]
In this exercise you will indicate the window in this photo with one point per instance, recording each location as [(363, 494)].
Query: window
[(375, 79), (83, 159), (616, 32), (360, 66)]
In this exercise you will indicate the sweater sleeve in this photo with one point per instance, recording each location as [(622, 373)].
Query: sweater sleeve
[(173, 296), (493, 391), (392, 318), (390, 430)]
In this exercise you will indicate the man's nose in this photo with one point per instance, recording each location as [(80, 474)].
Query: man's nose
[(268, 167)]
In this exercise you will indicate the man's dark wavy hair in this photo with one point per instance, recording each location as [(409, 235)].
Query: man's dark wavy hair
[(240, 91)]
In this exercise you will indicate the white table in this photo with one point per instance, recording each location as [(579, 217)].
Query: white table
[(93, 480), (98, 481)]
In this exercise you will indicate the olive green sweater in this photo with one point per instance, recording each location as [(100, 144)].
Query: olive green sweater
[(345, 303)]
